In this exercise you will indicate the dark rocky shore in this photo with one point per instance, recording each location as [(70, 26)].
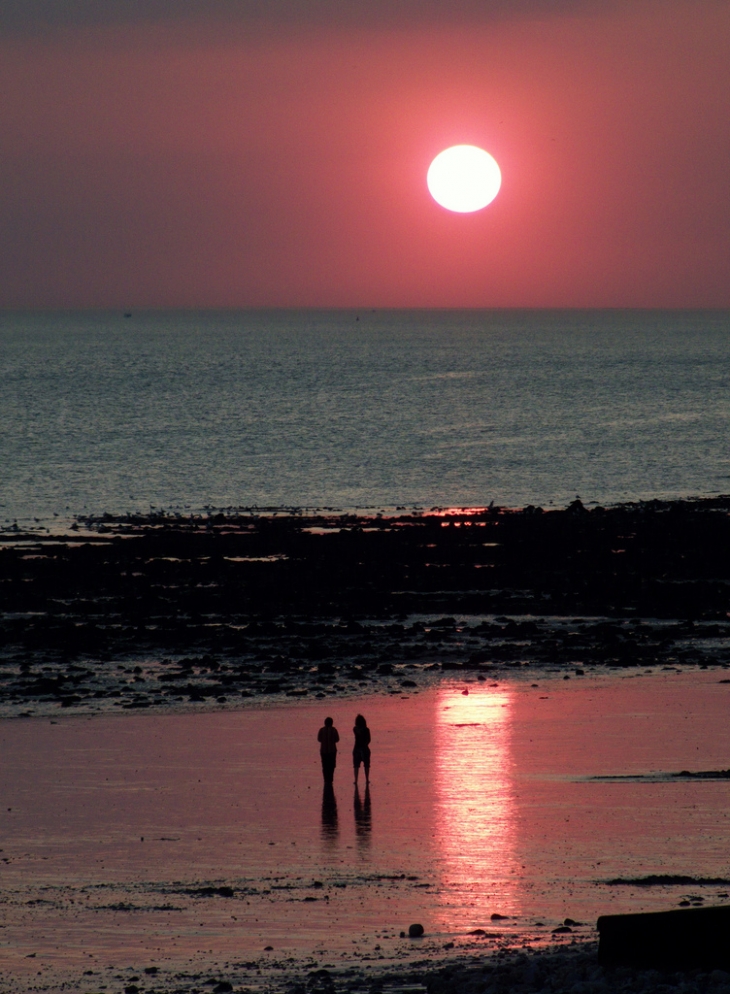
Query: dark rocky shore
[(143, 611), (557, 970), (573, 968)]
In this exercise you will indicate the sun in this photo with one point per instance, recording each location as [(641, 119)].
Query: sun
[(464, 178)]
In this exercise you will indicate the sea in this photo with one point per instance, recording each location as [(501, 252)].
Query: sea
[(360, 409)]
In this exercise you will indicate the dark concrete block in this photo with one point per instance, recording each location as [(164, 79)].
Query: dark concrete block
[(667, 940)]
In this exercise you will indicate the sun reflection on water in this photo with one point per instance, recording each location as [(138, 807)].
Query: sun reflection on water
[(475, 806)]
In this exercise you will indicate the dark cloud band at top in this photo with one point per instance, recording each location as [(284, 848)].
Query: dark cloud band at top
[(28, 17)]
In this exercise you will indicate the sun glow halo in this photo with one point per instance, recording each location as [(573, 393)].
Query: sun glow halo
[(464, 178)]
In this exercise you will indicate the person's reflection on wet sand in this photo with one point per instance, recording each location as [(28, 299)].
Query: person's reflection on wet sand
[(330, 828), (363, 816)]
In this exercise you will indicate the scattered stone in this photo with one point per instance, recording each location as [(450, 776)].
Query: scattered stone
[(415, 931), (565, 968), (326, 567)]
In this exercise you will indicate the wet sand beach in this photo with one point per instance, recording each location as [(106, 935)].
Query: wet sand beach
[(186, 844), (548, 702)]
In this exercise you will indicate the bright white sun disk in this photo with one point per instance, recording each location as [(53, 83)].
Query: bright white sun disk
[(464, 178)]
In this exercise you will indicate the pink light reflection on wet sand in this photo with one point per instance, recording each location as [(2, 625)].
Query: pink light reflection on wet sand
[(499, 814), (475, 807), (232, 798)]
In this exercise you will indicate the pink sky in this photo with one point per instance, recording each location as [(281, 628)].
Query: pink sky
[(223, 160)]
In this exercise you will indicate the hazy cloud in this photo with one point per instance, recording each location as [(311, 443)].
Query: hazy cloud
[(43, 16)]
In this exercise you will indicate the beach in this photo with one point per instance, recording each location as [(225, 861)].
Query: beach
[(185, 844), (163, 679)]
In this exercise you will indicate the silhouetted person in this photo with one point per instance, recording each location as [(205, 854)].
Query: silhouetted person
[(329, 813), (328, 737), (363, 821), (361, 752)]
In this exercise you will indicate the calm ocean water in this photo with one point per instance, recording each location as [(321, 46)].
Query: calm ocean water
[(359, 409)]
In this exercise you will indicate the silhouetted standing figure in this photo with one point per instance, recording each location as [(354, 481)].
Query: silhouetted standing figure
[(361, 752), (328, 737)]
